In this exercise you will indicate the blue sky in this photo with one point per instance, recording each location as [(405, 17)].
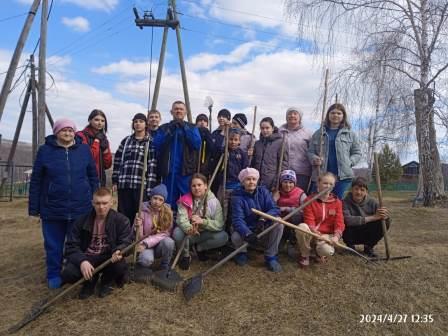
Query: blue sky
[(241, 53)]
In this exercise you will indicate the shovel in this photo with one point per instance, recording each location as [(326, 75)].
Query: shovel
[(193, 286), (169, 279)]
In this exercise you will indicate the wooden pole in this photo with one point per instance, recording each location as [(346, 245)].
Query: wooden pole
[(35, 141), (380, 201), (42, 74), (252, 140), (155, 96), (324, 107), (182, 64), (16, 56)]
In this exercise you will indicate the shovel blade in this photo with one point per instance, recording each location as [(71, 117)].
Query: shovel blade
[(141, 274), (166, 279), (192, 287)]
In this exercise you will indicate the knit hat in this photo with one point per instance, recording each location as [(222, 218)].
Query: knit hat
[(225, 113), (241, 119), (201, 117), (159, 190), (294, 109), (63, 123), (288, 175), (248, 172), (140, 116)]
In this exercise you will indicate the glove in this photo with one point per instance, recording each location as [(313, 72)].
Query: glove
[(251, 239)]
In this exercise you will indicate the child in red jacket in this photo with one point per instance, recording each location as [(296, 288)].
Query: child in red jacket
[(323, 216)]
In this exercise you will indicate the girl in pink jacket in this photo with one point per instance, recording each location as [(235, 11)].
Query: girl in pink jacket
[(157, 222)]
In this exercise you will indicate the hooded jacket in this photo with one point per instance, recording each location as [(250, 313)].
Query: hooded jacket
[(117, 229), (298, 143), (148, 225), (325, 216), (266, 159), (213, 218), (355, 213), (63, 181), (348, 152), (244, 221)]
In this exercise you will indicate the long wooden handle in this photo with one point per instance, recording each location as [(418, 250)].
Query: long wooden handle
[(280, 164), (380, 201), (324, 107), (319, 237), (266, 231), (252, 140)]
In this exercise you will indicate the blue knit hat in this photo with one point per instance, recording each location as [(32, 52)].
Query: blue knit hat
[(288, 175), (159, 190)]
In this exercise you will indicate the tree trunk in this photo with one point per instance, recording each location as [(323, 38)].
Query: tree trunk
[(430, 167)]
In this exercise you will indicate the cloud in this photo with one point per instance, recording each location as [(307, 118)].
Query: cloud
[(206, 61), (126, 68), (79, 23)]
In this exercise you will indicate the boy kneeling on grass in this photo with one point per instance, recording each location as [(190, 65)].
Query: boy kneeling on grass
[(324, 217), (95, 238)]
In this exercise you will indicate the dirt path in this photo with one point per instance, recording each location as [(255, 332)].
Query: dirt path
[(323, 300)]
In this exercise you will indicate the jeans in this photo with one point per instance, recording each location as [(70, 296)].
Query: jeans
[(207, 240)]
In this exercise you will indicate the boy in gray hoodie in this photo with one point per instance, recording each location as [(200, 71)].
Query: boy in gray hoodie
[(362, 217)]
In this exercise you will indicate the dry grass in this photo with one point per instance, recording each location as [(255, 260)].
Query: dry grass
[(323, 300)]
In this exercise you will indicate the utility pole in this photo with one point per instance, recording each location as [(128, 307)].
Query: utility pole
[(34, 106), (16, 56), (170, 22), (42, 74), (182, 64)]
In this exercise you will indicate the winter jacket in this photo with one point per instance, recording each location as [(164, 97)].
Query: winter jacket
[(266, 159), (207, 154), (128, 164), (348, 152), (117, 229), (213, 218), (177, 146), (63, 181), (246, 140), (100, 150), (244, 221), (325, 216), (147, 228), (298, 143), (355, 213), (289, 201)]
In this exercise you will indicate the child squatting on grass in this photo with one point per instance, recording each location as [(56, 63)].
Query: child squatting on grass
[(323, 216)]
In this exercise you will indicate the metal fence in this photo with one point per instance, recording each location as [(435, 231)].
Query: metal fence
[(14, 181)]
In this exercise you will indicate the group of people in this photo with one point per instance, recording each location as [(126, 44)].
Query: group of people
[(182, 207)]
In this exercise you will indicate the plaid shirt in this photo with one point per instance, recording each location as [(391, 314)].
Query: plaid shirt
[(128, 164)]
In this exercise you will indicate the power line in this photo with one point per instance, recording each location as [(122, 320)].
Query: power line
[(48, 16), (13, 17)]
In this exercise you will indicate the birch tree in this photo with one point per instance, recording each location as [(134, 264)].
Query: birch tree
[(409, 38)]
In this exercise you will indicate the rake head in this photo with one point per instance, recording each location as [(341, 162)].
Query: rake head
[(166, 280), (192, 287), (141, 274)]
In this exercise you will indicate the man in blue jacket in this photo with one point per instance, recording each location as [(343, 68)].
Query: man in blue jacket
[(177, 146), (62, 183), (246, 225)]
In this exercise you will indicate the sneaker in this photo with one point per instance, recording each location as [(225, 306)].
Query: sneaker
[(105, 290), (241, 259), (303, 261), (272, 264), (202, 255), (87, 290), (184, 263), (368, 251), (54, 283)]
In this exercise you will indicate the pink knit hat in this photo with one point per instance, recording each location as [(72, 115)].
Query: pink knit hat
[(248, 172), (63, 123)]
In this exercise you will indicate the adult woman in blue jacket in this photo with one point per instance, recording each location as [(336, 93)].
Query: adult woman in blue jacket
[(341, 149), (62, 183)]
